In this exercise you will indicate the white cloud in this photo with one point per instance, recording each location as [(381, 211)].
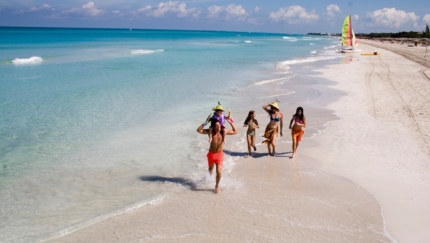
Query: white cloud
[(88, 9), (426, 19), (180, 9), (390, 17), (332, 9), (117, 13), (257, 9), (355, 17), (235, 11), (145, 9), (230, 12), (293, 15), (196, 14), (214, 11), (43, 7)]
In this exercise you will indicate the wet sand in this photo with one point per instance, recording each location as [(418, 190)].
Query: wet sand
[(363, 179)]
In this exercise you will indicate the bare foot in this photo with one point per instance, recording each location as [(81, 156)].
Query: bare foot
[(255, 148), (293, 156), (217, 190)]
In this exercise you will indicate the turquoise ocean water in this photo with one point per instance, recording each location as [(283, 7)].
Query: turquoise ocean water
[(85, 113)]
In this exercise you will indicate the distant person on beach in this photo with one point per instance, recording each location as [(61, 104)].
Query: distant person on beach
[(272, 128), (297, 129), (220, 116), (216, 154), (252, 124)]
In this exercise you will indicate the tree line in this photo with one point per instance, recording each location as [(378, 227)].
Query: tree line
[(402, 34)]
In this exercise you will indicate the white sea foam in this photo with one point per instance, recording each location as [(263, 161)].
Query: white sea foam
[(311, 44), (145, 51), (270, 81), (314, 52), (277, 95), (284, 64), (27, 61), (289, 38), (329, 47), (247, 41)]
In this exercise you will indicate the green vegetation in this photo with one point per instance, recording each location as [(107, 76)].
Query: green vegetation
[(403, 34)]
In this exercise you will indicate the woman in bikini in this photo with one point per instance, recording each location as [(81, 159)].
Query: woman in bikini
[(251, 123), (297, 129), (272, 128)]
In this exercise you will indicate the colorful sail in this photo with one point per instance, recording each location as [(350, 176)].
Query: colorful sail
[(354, 40), (347, 32), (348, 36)]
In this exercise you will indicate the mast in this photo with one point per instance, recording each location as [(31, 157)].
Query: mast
[(351, 33)]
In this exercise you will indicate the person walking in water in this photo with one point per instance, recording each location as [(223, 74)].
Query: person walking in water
[(216, 155), (252, 124), (271, 131), (297, 129)]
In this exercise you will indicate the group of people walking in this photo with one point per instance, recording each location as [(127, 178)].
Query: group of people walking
[(217, 133)]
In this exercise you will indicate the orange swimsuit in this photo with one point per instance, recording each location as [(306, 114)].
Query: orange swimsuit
[(298, 134)]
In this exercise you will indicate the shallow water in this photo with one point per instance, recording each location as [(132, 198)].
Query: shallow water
[(86, 113)]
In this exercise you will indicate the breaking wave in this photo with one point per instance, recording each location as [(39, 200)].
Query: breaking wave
[(27, 61)]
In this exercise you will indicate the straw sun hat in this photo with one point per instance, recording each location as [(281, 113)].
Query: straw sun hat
[(275, 104), (218, 107)]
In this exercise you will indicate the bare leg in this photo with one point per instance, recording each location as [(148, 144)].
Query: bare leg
[(268, 148), (273, 144), (253, 142), (248, 139), (211, 169), (294, 138), (297, 145), (292, 144), (218, 177)]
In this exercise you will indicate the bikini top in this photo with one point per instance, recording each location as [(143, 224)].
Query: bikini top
[(275, 119), (298, 121)]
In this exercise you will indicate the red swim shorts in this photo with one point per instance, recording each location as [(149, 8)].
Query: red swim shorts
[(215, 158)]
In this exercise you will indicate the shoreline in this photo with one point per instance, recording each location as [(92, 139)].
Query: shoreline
[(351, 170)]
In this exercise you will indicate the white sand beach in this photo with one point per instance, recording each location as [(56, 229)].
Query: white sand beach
[(365, 178)]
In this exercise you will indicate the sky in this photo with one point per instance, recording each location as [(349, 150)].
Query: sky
[(324, 16)]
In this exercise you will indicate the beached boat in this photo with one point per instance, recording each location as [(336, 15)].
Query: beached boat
[(348, 37)]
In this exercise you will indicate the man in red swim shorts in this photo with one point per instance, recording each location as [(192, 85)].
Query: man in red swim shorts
[(216, 155)]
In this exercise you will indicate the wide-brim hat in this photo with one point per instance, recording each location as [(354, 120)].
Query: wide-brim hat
[(274, 104), (218, 107)]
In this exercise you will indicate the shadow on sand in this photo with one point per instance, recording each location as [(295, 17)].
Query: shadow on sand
[(178, 180), (254, 154)]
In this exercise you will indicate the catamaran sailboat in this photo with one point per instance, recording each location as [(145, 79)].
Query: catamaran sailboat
[(348, 37)]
